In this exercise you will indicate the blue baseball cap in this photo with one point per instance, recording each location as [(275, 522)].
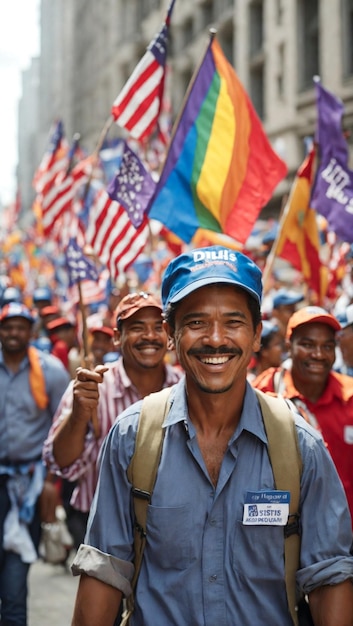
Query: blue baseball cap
[(268, 328), (207, 266), (16, 309), (286, 297), (42, 293)]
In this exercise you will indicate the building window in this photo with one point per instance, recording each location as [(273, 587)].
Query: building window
[(256, 27), (279, 12), (280, 72), (257, 57), (308, 39), (257, 90), (347, 41)]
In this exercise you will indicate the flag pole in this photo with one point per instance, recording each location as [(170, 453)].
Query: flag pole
[(212, 34), (266, 274), (87, 362)]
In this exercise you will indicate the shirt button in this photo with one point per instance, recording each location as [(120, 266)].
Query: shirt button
[(213, 578), (213, 522)]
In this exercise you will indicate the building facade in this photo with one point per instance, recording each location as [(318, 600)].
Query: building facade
[(89, 49)]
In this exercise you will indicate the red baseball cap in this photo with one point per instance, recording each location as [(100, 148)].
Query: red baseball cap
[(309, 314), (133, 302), (60, 322), (49, 310), (102, 329)]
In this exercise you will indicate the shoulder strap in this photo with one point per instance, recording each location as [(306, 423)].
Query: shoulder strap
[(143, 467), (286, 464)]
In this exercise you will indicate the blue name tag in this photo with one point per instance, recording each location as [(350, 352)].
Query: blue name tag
[(266, 508)]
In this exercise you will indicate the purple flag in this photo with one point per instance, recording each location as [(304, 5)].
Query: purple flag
[(332, 193), (79, 266), (132, 187)]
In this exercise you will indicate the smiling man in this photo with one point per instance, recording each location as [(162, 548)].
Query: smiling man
[(323, 397), (204, 562), (72, 447)]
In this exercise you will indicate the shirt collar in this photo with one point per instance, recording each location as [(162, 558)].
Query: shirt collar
[(250, 419)]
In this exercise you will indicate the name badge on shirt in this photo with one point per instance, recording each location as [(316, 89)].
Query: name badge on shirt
[(266, 508)]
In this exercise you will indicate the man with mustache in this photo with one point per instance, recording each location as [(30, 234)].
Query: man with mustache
[(72, 447), (322, 396), (212, 554)]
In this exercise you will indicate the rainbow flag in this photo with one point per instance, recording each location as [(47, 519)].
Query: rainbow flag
[(220, 169)]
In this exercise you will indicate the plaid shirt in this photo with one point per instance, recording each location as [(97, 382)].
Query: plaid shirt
[(116, 393)]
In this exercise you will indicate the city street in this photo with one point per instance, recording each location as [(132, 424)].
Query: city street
[(52, 591)]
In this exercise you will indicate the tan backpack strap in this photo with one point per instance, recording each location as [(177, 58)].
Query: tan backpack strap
[(143, 467), (286, 465)]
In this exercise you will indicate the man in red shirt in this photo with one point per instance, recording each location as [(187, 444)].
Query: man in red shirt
[(324, 397)]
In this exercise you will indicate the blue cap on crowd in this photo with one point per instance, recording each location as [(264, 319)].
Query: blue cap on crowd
[(208, 266), (42, 293), (16, 309), (285, 297), (11, 294), (268, 328), (346, 318)]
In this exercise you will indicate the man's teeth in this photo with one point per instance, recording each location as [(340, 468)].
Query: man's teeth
[(215, 360)]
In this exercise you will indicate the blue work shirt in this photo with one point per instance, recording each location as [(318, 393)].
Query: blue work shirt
[(202, 565), (23, 426)]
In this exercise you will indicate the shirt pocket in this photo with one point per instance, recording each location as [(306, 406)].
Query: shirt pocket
[(169, 532), (258, 552)]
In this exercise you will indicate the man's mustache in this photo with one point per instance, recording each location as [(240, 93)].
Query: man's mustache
[(211, 351)]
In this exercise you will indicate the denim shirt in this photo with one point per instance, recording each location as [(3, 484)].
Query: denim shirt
[(202, 565)]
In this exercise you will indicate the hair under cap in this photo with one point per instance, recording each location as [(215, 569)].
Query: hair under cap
[(207, 266)]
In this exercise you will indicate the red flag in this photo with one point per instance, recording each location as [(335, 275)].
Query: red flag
[(115, 241), (298, 241), (138, 105)]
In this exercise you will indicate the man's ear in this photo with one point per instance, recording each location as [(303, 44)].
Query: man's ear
[(170, 333), (117, 338)]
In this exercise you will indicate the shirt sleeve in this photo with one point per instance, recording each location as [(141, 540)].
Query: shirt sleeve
[(326, 531), (112, 536), (89, 454)]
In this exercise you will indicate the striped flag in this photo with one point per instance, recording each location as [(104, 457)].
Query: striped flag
[(138, 105), (60, 195), (115, 241), (54, 161)]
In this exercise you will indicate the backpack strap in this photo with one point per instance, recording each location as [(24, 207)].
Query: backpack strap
[(142, 471), (286, 462), (284, 457)]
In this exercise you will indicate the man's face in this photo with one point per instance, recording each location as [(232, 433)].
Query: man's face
[(312, 349), (214, 337), (142, 339), (101, 344), (15, 334), (345, 342)]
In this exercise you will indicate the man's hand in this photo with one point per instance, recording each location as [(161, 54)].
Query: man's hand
[(86, 396)]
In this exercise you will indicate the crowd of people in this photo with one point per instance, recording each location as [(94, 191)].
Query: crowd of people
[(217, 523)]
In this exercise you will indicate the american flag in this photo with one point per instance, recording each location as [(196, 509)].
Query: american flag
[(59, 197), (133, 186), (138, 105), (78, 265), (115, 241), (54, 161)]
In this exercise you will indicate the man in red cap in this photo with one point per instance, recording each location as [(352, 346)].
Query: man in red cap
[(324, 397), (102, 343), (81, 422)]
